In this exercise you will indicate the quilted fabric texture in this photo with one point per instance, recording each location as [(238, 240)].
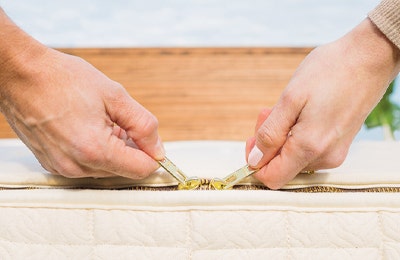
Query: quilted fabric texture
[(92, 224), (48, 217)]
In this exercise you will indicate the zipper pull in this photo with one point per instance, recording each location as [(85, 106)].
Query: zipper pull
[(229, 181), (185, 183)]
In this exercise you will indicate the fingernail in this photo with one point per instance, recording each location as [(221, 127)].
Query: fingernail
[(255, 156)]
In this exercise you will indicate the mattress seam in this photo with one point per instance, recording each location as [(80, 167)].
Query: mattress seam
[(184, 248), (217, 209)]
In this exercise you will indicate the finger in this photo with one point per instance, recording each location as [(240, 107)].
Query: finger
[(262, 116), (249, 145), (273, 133), (121, 133), (285, 166), (139, 124), (126, 161)]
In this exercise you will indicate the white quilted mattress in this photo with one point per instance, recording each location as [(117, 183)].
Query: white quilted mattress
[(356, 216)]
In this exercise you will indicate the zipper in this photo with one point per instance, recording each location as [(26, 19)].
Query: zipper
[(205, 184), (311, 189), (232, 181), (191, 183)]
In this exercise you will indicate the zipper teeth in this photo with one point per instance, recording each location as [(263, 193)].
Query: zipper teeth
[(21, 188), (205, 186), (320, 189), (311, 189)]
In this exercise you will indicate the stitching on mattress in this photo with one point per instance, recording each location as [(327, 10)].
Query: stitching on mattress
[(287, 235), (189, 239), (290, 209), (383, 240), (185, 248), (91, 233), (30, 243), (190, 247)]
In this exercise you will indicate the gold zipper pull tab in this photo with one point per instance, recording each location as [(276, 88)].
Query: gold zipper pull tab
[(229, 181), (190, 184), (185, 183)]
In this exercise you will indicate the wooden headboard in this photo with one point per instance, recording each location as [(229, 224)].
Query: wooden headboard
[(197, 93)]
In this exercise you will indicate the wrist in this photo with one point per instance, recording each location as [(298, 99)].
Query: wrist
[(17, 52), (372, 50)]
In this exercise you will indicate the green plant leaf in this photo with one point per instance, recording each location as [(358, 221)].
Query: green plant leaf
[(386, 113)]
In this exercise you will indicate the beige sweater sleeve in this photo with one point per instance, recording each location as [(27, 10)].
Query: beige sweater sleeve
[(386, 16)]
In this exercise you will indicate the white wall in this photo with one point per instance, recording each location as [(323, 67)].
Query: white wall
[(187, 22)]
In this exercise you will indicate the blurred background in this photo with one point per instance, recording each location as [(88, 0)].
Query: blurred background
[(101, 23), (192, 23)]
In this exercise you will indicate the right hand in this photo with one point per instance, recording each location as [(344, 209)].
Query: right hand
[(323, 107)]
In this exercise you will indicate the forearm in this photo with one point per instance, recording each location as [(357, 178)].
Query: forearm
[(17, 50), (18, 53)]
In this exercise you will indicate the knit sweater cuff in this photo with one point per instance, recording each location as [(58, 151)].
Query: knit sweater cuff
[(386, 16)]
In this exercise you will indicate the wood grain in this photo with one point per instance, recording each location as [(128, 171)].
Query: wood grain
[(197, 93)]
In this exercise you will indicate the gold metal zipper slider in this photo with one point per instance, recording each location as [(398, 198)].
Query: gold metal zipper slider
[(185, 183), (229, 181)]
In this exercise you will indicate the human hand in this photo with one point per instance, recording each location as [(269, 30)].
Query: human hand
[(76, 121), (323, 107)]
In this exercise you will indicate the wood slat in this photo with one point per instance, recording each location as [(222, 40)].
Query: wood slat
[(197, 93)]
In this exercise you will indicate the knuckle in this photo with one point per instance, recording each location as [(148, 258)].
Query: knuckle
[(149, 124), (288, 99), (116, 94), (266, 137), (292, 97), (117, 91)]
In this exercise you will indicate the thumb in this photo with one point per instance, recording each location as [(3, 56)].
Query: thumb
[(272, 134), (262, 116), (139, 124)]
